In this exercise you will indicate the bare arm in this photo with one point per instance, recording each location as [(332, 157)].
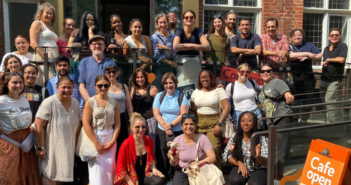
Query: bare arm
[(157, 115), (226, 108), (83, 91), (71, 44), (289, 97), (210, 157), (117, 125), (204, 46), (126, 48), (129, 106), (78, 131), (128, 180), (40, 134), (193, 108), (148, 44), (34, 33), (269, 53), (153, 91), (337, 60), (86, 118), (131, 92)]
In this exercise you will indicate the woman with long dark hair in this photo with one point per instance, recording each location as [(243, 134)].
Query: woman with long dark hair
[(89, 26), (115, 37), (247, 169)]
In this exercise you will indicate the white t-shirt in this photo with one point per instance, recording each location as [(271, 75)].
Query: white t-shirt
[(244, 95), (208, 102), (14, 114), (24, 59)]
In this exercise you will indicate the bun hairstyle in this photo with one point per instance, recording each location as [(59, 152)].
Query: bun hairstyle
[(131, 24), (136, 117)]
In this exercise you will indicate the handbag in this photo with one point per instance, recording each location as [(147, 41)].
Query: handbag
[(204, 173), (25, 146), (85, 147), (228, 127)]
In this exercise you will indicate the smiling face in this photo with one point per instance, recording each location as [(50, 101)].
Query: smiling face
[(30, 75), (172, 18), (89, 21), (139, 128), (111, 73), (65, 89), (62, 68), (15, 85), (162, 24), (217, 23), (271, 28), (14, 65), (47, 15), (136, 28), (116, 23), (246, 123), (205, 79), (244, 73), (140, 79), (102, 87), (22, 45), (334, 37), (189, 19), (69, 25), (266, 73), (245, 27), (297, 38), (188, 126), (169, 85), (97, 46), (231, 21)]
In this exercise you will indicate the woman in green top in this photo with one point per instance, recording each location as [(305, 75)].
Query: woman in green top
[(218, 41)]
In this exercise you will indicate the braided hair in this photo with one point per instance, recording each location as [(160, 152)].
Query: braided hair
[(239, 136)]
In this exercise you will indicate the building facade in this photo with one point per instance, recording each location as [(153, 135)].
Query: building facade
[(314, 16)]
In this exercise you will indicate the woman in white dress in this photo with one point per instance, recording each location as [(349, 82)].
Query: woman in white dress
[(58, 125), (105, 128)]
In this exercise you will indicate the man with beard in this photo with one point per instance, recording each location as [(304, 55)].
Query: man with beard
[(90, 67), (63, 67), (172, 19), (246, 44), (230, 30)]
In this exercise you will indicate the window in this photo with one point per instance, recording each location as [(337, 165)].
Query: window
[(76, 9), (321, 15)]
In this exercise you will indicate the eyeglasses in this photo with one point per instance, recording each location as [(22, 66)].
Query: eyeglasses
[(142, 127), (189, 17), (103, 85), (266, 71), (206, 77), (111, 72), (97, 44), (335, 35), (242, 72), (188, 115), (31, 74)]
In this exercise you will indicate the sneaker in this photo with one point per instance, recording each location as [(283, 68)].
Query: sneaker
[(169, 183)]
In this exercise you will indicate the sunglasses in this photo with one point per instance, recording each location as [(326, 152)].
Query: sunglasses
[(335, 35), (111, 72), (188, 115), (142, 127), (218, 15), (266, 71), (189, 17), (242, 72), (103, 85)]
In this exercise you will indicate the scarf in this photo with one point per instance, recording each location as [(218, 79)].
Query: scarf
[(127, 160)]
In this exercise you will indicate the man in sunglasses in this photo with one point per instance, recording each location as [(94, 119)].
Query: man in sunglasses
[(246, 44), (63, 67), (334, 57), (90, 67)]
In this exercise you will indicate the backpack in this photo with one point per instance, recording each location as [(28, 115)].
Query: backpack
[(232, 93), (180, 97)]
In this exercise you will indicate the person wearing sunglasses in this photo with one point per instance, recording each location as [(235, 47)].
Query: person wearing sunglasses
[(187, 149), (334, 58), (246, 45), (244, 92), (120, 93), (218, 41), (301, 55), (205, 102), (276, 99), (101, 123), (189, 41), (168, 107), (136, 160)]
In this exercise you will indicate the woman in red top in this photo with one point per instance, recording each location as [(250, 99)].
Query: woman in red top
[(136, 159), (69, 25)]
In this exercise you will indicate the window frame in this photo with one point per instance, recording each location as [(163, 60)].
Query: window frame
[(6, 20)]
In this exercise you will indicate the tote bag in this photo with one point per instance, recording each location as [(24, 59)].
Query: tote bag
[(228, 126)]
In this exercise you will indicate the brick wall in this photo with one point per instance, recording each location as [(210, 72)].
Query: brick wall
[(201, 14), (2, 39), (288, 12)]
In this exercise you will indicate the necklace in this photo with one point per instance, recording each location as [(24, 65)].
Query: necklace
[(31, 89)]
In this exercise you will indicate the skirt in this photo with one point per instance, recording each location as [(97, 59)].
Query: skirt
[(16, 166), (102, 170)]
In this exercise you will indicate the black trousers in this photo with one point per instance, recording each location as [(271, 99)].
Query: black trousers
[(257, 177), (161, 153), (123, 134), (153, 180), (180, 178)]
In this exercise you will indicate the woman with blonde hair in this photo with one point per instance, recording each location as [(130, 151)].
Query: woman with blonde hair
[(136, 160), (162, 42), (42, 35)]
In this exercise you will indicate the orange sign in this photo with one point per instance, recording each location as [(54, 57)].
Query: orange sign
[(229, 74), (326, 164)]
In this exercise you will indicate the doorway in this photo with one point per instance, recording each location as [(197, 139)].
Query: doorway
[(128, 10)]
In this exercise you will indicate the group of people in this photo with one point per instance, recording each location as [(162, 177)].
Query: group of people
[(130, 127)]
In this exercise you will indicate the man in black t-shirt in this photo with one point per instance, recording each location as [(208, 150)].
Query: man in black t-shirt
[(334, 58)]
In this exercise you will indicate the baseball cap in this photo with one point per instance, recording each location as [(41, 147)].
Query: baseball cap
[(109, 63)]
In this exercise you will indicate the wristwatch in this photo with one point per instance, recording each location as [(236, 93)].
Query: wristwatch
[(171, 125), (327, 60), (219, 124), (41, 148)]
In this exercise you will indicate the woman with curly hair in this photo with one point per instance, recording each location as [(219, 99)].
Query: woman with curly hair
[(247, 169), (11, 64), (42, 35)]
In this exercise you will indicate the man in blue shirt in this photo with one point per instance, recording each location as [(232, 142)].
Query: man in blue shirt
[(62, 67), (246, 45), (90, 67)]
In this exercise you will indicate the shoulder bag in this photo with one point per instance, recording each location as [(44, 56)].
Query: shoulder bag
[(228, 127)]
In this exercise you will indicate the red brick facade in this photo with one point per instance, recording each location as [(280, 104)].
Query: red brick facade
[(2, 39), (201, 14)]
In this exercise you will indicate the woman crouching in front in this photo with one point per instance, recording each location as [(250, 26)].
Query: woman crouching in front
[(136, 159)]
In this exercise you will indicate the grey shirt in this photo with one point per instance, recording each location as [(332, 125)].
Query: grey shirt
[(275, 88)]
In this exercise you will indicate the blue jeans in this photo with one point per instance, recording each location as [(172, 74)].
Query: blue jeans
[(237, 113)]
